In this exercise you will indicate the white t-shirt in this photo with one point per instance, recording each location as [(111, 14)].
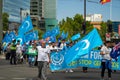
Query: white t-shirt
[(62, 45), (18, 49), (42, 54), (106, 52)]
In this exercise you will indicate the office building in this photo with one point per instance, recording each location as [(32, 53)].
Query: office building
[(14, 8), (36, 12), (43, 13), (50, 13), (94, 17)]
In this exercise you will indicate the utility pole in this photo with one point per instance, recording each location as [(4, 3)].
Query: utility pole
[(1, 25), (21, 15), (84, 23)]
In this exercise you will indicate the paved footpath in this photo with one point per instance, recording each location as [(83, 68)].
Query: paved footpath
[(24, 72)]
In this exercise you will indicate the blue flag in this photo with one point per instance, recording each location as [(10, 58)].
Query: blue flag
[(31, 36), (47, 34), (7, 38), (25, 26), (75, 37), (84, 46), (63, 35), (21, 39), (115, 51), (12, 35), (55, 31), (52, 39)]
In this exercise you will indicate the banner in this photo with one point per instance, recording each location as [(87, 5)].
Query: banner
[(92, 60)]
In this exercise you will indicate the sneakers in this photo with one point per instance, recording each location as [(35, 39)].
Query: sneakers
[(70, 70)]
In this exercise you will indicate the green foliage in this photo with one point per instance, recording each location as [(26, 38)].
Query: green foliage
[(103, 30), (74, 25), (5, 17)]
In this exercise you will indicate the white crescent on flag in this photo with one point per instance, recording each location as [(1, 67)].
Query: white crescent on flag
[(87, 44), (20, 39), (28, 24)]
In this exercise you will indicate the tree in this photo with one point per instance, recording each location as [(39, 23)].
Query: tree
[(109, 26), (5, 17), (74, 25), (103, 30)]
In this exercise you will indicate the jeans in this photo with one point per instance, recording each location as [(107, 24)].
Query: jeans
[(42, 69)]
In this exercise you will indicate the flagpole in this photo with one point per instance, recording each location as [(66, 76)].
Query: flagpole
[(111, 10)]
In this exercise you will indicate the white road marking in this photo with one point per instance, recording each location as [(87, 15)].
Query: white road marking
[(19, 78)]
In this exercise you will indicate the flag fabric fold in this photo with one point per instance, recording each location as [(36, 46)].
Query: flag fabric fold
[(31, 36), (104, 1), (115, 51), (75, 37), (84, 46), (64, 35), (7, 38), (25, 26), (55, 31)]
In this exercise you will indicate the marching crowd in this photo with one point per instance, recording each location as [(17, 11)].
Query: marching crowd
[(37, 53)]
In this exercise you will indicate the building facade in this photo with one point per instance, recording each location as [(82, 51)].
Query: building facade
[(94, 17), (115, 26), (36, 11), (50, 13), (43, 13), (14, 9)]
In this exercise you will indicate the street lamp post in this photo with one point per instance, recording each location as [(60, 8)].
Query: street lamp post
[(20, 15), (84, 23), (1, 25)]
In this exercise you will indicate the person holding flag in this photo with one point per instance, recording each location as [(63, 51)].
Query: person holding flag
[(43, 60), (115, 51)]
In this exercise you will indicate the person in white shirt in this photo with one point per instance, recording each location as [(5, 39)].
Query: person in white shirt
[(63, 44), (43, 60), (106, 60), (19, 52)]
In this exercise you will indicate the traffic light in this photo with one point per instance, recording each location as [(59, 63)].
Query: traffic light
[(109, 27)]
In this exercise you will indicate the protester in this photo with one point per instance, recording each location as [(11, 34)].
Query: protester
[(24, 51), (106, 60), (13, 52), (63, 44), (19, 56), (43, 60), (32, 52), (8, 51)]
